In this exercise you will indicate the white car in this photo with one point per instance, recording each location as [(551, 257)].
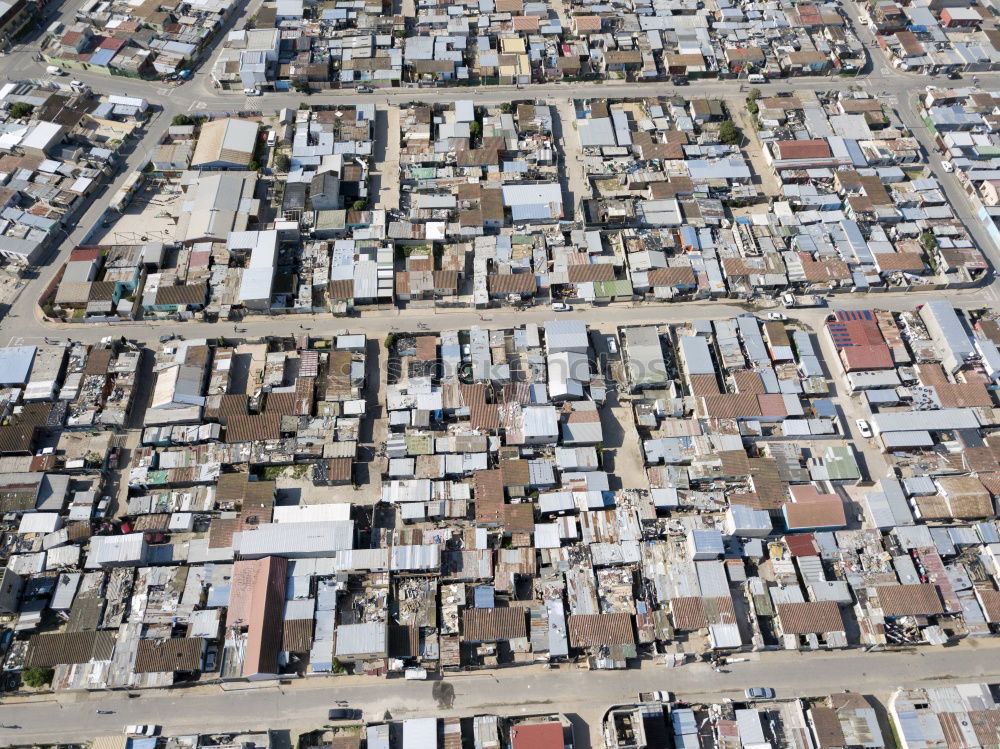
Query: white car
[(142, 730), (866, 431), (252, 92), (561, 307), (948, 166), (776, 316)]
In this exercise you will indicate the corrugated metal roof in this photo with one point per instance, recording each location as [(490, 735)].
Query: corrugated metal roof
[(168, 655), (490, 625), (594, 630)]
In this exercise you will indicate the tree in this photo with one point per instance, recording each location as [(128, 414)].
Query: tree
[(729, 133), (754, 94), (181, 119), (282, 162), (475, 129), (301, 86), (37, 677), (506, 107), (21, 110), (359, 205)]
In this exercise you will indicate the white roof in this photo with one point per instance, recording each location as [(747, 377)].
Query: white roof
[(312, 513), (295, 539), (420, 733), (361, 639), (543, 193), (40, 522), (15, 364), (41, 135)]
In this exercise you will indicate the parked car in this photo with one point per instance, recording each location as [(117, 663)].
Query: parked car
[(253, 91), (142, 730), (948, 166), (561, 307), (679, 80), (364, 89), (759, 693), (344, 713), (866, 431), (953, 76), (54, 70), (776, 316)]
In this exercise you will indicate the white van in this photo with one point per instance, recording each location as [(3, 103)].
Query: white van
[(756, 78)]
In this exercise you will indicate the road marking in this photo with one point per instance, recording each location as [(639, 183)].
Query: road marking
[(16, 341)]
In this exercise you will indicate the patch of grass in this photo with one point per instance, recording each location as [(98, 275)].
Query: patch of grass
[(272, 473)]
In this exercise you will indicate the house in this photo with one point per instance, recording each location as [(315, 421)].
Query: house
[(178, 298), (225, 144)]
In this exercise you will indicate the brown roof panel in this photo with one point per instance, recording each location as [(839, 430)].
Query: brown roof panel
[(810, 617), (297, 635), (594, 630), (921, 599), (591, 272), (511, 283), (688, 613), (490, 625), (173, 654)]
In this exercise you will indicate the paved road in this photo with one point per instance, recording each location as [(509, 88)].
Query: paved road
[(526, 689), (198, 95), (570, 690)]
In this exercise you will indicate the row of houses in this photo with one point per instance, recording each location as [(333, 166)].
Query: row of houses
[(149, 39), (57, 149), (515, 42), (934, 36)]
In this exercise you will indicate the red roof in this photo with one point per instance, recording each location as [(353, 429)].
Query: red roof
[(866, 357), (537, 736), (803, 149), (85, 253), (802, 545)]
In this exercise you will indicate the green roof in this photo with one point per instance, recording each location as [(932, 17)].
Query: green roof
[(840, 463), (622, 287), (419, 444), (423, 172)]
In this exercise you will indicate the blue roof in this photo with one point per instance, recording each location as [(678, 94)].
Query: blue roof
[(15, 364), (483, 596), (102, 56), (530, 211)]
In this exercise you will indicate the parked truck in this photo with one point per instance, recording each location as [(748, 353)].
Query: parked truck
[(656, 696), (802, 300)]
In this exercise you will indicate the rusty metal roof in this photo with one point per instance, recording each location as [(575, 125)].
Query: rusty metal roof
[(173, 654), (490, 625), (594, 630), (810, 617), (920, 599)]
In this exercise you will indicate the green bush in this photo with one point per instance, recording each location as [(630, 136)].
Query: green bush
[(37, 677), (181, 119), (729, 133), (282, 163), (20, 110)]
